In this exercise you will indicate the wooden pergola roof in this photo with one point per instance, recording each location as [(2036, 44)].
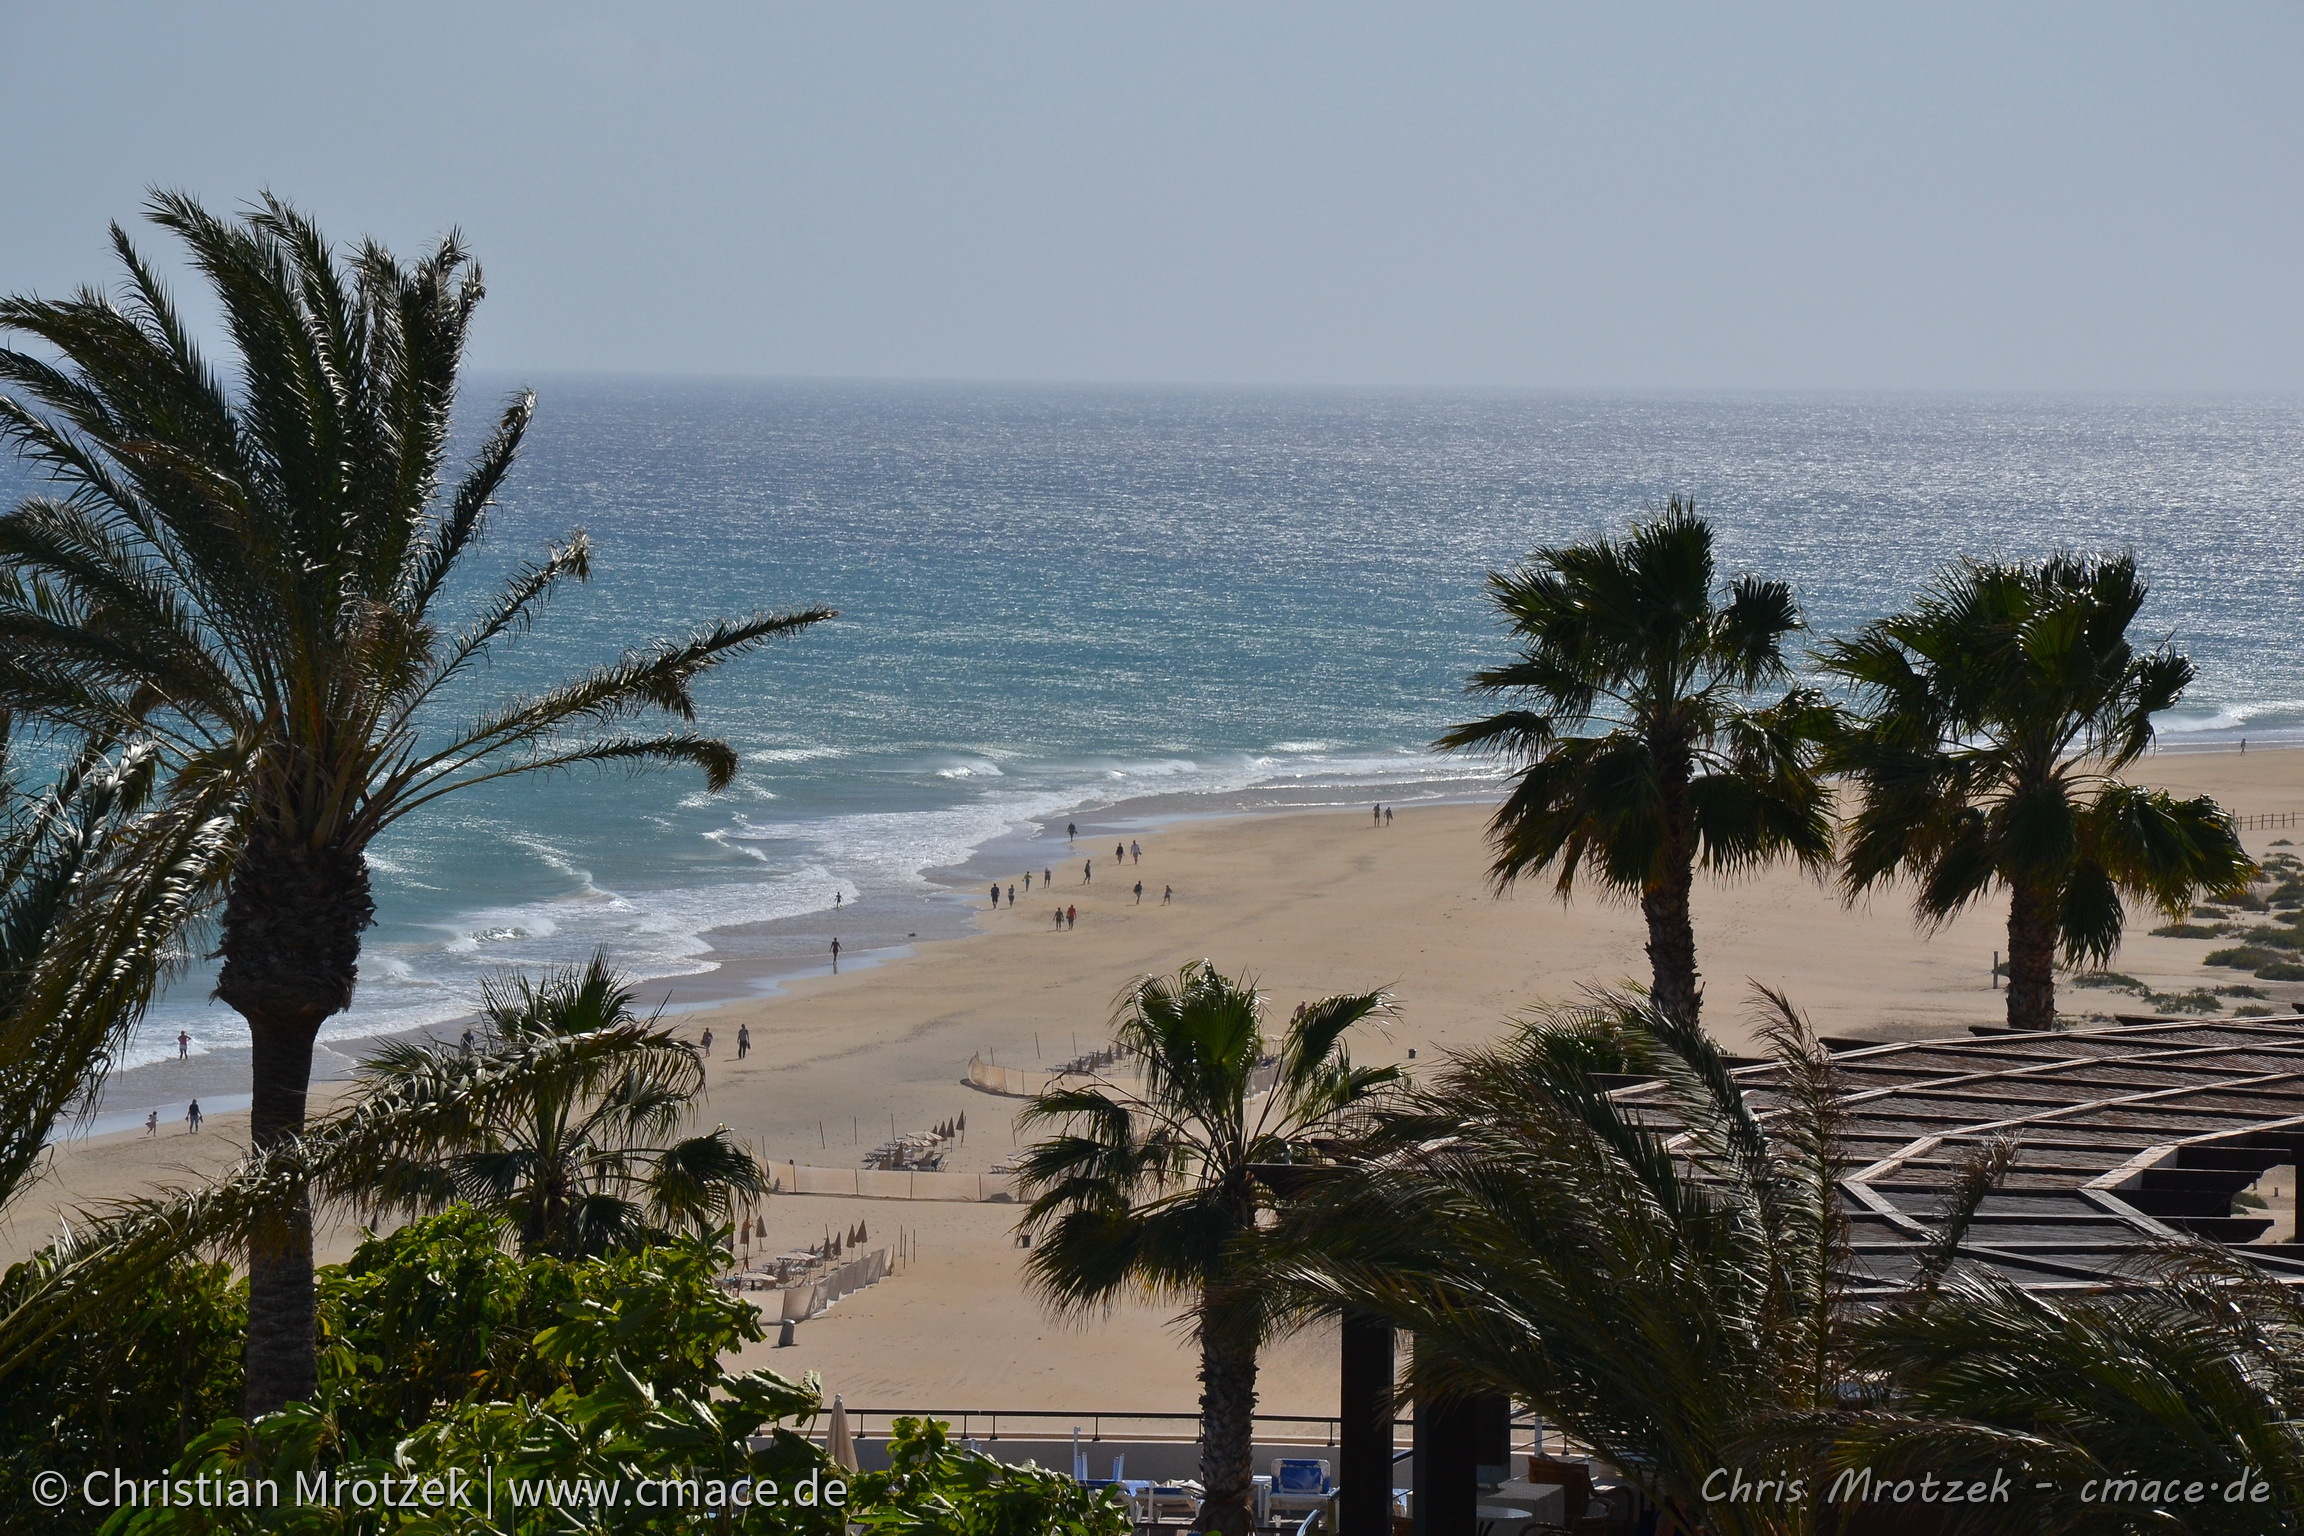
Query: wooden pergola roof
[(2125, 1136)]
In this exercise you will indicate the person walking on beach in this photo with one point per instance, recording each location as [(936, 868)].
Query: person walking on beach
[(1059, 919), (835, 957), (1047, 877), (1139, 893), (192, 1119), (706, 1042), (1119, 853), (1135, 851), (1387, 816), (743, 1041), (1011, 898), (1027, 882), (183, 1047), (1167, 894), (1376, 816), (1087, 870), (152, 1124), (1071, 917), (1071, 830)]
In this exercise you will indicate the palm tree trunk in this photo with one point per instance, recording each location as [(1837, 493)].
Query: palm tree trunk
[(292, 925), (2031, 958), (1671, 931), (1227, 1435)]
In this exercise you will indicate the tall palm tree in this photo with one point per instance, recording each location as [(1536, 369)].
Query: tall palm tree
[(1664, 1284), (249, 572), (1997, 714), (1155, 1190), (562, 1124), (1645, 751)]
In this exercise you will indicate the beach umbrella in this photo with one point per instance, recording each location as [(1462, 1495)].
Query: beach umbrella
[(862, 1235), (839, 1442)]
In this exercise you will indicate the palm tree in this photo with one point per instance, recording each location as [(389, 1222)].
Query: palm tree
[(2191, 1377), (1997, 714), (85, 936), (1663, 1284), (1645, 752), (249, 572), (1156, 1191), (561, 1125)]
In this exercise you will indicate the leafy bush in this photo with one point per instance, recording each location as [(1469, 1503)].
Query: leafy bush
[(2241, 990), (2183, 931), (438, 1313), (2198, 1000), (128, 1388), (2110, 981), (2253, 1011), (2241, 958), (932, 1489), (2247, 901), (2280, 970)]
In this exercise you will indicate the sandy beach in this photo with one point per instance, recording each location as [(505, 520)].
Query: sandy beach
[(1309, 903)]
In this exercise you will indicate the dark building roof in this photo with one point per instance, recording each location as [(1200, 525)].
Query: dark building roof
[(2125, 1137)]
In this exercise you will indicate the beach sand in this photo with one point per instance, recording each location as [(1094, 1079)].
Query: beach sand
[(1309, 904)]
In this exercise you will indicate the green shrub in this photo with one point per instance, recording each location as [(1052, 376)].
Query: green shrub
[(128, 1388), (2111, 981), (2183, 931), (934, 1489), (2198, 1000), (2241, 989), (2280, 970), (2211, 912), (2248, 901), (2240, 958), (2253, 1011)]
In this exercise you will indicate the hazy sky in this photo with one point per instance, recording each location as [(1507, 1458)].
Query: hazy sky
[(2095, 196)]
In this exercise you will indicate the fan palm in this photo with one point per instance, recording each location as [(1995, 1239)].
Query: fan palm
[(1997, 714), (1661, 1283), (1645, 751), (561, 1124), (250, 572), (1155, 1191)]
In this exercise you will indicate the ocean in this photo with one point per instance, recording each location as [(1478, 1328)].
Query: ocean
[(1108, 605)]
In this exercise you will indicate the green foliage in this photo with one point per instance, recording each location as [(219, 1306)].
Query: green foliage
[(933, 1488), (2110, 981), (2183, 931), (2198, 1000), (2280, 970), (128, 1385), (2240, 958), (2240, 991), (438, 1313)]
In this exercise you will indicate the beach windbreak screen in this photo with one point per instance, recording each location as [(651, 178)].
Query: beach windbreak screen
[(1057, 598)]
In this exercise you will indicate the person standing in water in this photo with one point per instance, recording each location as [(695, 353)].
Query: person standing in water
[(835, 957), (838, 897), (183, 1047), (1071, 830)]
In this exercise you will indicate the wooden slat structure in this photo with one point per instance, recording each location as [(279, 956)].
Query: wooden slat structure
[(2125, 1136)]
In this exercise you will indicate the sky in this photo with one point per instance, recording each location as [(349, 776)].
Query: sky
[(2090, 196)]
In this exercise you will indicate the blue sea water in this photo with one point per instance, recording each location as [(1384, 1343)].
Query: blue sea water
[(1054, 600)]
